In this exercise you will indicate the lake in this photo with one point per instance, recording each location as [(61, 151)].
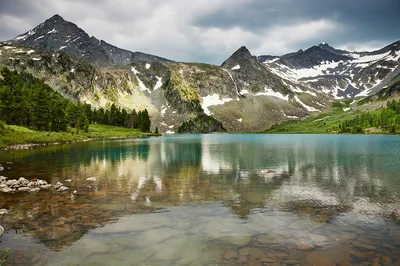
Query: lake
[(208, 200)]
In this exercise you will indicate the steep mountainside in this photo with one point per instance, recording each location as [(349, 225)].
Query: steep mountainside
[(337, 72), (56, 34)]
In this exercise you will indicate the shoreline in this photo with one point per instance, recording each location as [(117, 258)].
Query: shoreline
[(31, 146)]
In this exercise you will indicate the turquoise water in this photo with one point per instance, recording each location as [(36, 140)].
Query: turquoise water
[(208, 200)]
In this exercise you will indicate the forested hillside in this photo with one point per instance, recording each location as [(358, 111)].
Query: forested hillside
[(29, 102)]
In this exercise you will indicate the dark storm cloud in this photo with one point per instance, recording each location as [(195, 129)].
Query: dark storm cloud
[(210, 31)]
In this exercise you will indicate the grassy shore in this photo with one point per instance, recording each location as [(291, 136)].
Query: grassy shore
[(16, 135)]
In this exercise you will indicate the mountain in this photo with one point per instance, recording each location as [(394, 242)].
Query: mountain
[(339, 73), (246, 93), (242, 94), (312, 56), (327, 47), (57, 34)]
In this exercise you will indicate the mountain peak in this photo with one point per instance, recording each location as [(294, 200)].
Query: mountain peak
[(56, 17), (57, 34), (242, 54)]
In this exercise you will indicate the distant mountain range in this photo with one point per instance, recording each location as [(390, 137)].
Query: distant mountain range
[(245, 93), (341, 73)]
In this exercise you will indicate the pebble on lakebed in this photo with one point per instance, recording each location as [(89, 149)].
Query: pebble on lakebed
[(23, 184)]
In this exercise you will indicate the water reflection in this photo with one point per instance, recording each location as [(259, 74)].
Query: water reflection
[(299, 185)]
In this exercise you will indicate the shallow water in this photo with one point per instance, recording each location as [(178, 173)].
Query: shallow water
[(208, 200)]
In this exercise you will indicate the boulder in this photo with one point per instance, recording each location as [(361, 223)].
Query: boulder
[(23, 182), (24, 189), (33, 184), (7, 190), (62, 189), (11, 183), (35, 189), (303, 246), (46, 186), (58, 185), (41, 183)]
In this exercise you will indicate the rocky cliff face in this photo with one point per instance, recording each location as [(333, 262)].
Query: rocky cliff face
[(57, 34)]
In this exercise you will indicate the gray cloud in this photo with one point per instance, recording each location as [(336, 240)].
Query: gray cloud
[(210, 31)]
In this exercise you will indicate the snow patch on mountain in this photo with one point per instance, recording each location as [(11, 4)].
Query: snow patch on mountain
[(307, 107), (211, 100), (158, 84), (236, 67), (270, 92)]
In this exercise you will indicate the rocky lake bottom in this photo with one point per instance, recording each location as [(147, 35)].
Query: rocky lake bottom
[(206, 200)]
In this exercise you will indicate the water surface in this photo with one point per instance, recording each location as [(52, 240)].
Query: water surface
[(208, 200)]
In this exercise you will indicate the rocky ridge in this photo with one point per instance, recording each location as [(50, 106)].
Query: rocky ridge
[(57, 34)]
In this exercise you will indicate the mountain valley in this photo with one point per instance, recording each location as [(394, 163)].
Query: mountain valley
[(245, 94)]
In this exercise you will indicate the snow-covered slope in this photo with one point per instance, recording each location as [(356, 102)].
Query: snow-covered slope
[(337, 72)]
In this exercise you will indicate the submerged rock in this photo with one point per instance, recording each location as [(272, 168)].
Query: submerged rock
[(91, 179), (303, 246), (63, 188)]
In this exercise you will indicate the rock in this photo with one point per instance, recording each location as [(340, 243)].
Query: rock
[(238, 240), (3, 179), (303, 246), (68, 180), (33, 184), (11, 183), (231, 254), (291, 262), (8, 190), (386, 260), (331, 256), (35, 189), (23, 182), (1, 230), (46, 186), (24, 189), (1, 168), (91, 179), (60, 232), (3, 211), (362, 245), (63, 188), (58, 185), (75, 192), (41, 183), (388, 246)]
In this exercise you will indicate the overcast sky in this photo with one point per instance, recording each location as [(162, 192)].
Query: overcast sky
[(210, 31)]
